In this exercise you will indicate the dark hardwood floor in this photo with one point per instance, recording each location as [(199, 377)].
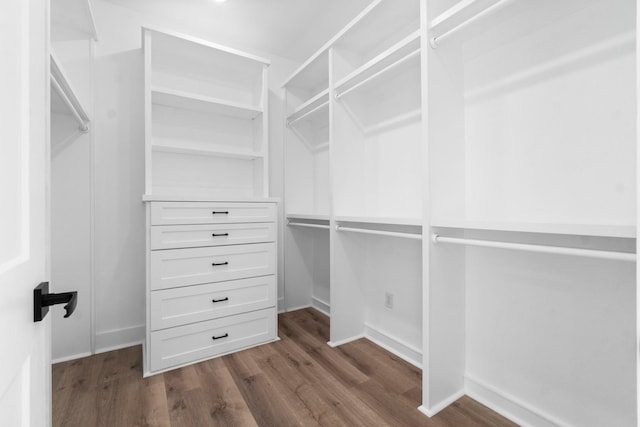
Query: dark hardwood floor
[(298, 381)]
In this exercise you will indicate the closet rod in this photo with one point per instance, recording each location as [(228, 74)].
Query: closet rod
[(435, 41), (304, 224), (308, 113), (560, 250), (65, 98), (380, 232), (377, 74)]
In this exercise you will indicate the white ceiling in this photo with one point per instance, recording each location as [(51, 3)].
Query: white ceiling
[(289, 28)]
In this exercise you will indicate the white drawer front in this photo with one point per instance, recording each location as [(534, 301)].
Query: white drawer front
[(180, 306), (182, 267), (168, 213), (192, 236), (184, 344)]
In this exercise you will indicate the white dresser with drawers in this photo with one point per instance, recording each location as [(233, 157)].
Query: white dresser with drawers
[(211, 278), (211, 226)]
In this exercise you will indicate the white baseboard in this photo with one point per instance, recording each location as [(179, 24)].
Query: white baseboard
[(281, 305), (119, 338), (403, 350), (507, 405), (322, 306), (302, 307), (441, 405), (344, 341), (72, 357)]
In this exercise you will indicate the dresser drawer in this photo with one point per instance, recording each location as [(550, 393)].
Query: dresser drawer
[(180, 306), (184, 344), (173, 268), (169, 213), (191, 236)]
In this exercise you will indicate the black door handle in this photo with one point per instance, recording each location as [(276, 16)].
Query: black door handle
[(219, 235), (42, 300), (220, 300)]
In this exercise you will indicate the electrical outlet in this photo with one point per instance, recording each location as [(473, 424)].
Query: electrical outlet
[(388, 300)]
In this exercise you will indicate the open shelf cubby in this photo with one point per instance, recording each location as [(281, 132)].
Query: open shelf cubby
[(206, 118)]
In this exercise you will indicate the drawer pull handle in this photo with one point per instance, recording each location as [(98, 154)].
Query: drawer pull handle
[(219, 263), (219, 235), (221, 336), (220, 213), (220, 300)]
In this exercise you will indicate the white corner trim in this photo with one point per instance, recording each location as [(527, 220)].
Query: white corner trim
[(403, 350), (119, 338), (334, 344), (424, 410), (441, 405), (322, 306), (281, 305), (507, 405)]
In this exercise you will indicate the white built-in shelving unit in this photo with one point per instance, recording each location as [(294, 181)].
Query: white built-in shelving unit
[(207, 116), (211, 227), (307, 186), (530, 273), (476, 210), (353, 172)]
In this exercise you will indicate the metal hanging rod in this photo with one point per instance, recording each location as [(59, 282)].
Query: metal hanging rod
[(307, 225), (560, 250), (377, 74), (308, 113), (380, 232), (435, 41), (56, 86)]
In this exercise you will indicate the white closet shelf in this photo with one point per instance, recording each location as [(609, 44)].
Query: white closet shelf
[(308, 216), (578, 229), (387, 17), (73, 14), (172, 40), (451, 13), (397, 55), (191, 198), (460, 15), (64, 99), (312, 74), (310, 108), (198, 150), (380, 220), (190, 101)]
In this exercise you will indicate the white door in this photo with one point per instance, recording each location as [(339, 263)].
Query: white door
[(25, 367)]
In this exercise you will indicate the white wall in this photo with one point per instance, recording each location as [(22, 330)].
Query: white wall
[(119, 171), (71, 202)]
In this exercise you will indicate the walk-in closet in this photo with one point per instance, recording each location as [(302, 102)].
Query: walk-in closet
[(319, 213)]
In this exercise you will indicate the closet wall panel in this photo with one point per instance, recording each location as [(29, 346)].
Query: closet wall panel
[(353, 174), (532, 140)]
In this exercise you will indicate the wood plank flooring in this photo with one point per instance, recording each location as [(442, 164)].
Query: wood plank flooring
[(298, 381)]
